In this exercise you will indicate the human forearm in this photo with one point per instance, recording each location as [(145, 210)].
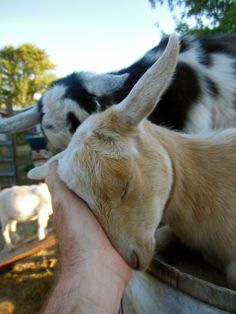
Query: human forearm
[(86, 291), (93, 275)]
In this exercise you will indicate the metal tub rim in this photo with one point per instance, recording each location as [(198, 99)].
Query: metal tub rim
[(210, 293)]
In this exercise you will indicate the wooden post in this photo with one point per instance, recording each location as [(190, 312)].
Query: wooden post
[(9, 111), (9, 108)]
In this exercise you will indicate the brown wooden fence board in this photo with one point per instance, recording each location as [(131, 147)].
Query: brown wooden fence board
[(26, 249)]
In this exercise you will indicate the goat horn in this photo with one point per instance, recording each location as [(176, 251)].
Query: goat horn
[(26, 119)]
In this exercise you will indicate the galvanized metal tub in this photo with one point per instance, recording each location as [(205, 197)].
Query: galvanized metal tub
[(179, 282)]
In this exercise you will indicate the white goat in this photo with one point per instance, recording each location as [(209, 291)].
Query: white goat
[(133, 174), (23, 203)]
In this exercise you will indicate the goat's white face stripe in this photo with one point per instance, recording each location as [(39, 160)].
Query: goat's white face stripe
[(51, 99), (56, 106)]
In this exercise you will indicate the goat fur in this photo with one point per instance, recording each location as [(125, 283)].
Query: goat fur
[(134, 174), (24, 203), (200, 96)]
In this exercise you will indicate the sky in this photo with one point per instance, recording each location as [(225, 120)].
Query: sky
[(78, 35)]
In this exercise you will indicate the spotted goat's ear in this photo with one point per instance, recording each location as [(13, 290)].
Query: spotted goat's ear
[(147, 92), (39, 173)]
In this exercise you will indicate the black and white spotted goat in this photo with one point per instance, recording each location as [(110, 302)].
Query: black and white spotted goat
[(201, 96)]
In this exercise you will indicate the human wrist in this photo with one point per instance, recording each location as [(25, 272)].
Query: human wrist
[(96, 287), (99, 263)]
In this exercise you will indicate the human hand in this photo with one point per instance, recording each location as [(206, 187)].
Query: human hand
[(88, 260)]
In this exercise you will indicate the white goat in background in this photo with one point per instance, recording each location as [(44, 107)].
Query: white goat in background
[(133, 174), (24, 203)]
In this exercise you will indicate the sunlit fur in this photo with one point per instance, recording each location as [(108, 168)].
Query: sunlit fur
[(200, 97), (133, 174)]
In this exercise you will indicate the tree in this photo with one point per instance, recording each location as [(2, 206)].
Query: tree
[(210, 16), (24, 72)]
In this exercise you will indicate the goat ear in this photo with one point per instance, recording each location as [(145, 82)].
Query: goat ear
[(39, 173), (148, 90), (103, 84)]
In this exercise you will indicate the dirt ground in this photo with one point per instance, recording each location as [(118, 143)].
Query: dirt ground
[(25, 286)]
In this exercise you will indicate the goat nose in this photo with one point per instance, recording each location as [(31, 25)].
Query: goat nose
[(134, 260)]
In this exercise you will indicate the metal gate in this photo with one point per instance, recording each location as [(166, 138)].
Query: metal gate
[(7, 161)]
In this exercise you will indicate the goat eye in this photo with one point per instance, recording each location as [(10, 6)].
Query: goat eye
[(48, 127), (124, 193), (72, 121)]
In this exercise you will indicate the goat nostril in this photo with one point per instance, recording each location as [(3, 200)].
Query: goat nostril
[(134, 260)]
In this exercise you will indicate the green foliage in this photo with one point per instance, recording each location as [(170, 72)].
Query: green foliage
[(20, 138), (24, 72), (210, 16)]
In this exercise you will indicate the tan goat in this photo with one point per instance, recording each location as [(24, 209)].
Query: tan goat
[(133, 174)]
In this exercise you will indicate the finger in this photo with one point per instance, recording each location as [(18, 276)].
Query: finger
[(56, 186), (52, 179), (61, 195)]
